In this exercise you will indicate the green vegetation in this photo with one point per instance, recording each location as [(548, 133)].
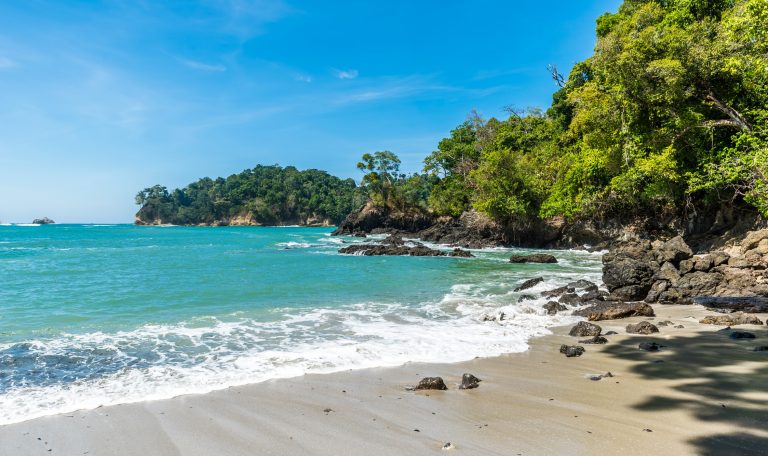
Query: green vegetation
[(269, 195), (670, 114)]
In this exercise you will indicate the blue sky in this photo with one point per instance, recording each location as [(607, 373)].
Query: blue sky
[(99, 99)]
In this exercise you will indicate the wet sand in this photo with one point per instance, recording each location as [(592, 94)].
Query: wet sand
[(703, 393)]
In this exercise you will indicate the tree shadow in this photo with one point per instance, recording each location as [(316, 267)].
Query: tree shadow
[(719, 380)]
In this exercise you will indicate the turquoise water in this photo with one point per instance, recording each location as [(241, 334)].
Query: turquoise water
[(93, 315)]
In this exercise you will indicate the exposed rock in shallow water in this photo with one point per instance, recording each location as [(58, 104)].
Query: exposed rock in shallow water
[(553, 307), (431, 383), (643, 327), (615, 310), (530, 283), (733, 319), (526, 297), (581, 284), (43, 221), (557, 291), (571, 351), (396, 246), (469, 381), (583, 329), (533, 258)]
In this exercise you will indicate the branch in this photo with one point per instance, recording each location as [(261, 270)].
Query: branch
[(556, 75), (737, 120)]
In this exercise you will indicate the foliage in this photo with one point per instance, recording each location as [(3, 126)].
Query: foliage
[(271, 195)]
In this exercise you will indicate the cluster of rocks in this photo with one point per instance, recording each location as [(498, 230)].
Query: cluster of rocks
[(395, 245), (669, 272), (468, 381)]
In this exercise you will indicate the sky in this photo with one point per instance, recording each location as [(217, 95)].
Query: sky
[(100, 99)]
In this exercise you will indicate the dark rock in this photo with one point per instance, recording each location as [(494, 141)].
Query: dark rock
[(533, 258), (668, 272), (698, 283), (736, 335), (760, 348), (43, 221), (581, 284), (594, 340), (614, 310), (526, 297), (557, 291), (611, 333), (530, 283), (431, 383), (600, 376), (570, 299), (674, 250), (584, 329), (553, 307), (461, 253), (748, 304), (630, 293), (657, 289), (643, 327), (571, 351), (390, 249), (665, 323), (593, 295), (627, 278), (469, 381), (679, 327), (649, 346), (733, 319)]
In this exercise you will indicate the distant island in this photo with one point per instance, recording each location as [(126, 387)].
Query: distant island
[(262, 196), (43, 221)]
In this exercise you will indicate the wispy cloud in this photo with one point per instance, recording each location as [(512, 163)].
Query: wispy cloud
[(346, 74), (5, 63), (195, 65), (303, 78)]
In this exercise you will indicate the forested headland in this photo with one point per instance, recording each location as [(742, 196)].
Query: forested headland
[(668, 116)]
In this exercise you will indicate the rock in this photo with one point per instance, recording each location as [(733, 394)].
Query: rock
[(679, 327), (594, 340), (530, 283), (558, 291), (627, 278), (674, 250), (703, 263), (448, 446), (581, 284), (649, 346), (553, 307), (698, 283), (733, 319), (526, 297), (461, 253), (570, 299), (657, 289), (760, 348), (390, 248), (533, 258), (501, 316), (431, 383), (719, 257), (571, 351), (643, 327), (469, 381), (584, 329), (43, 221), (614, 310), (597, 377), (668, 272), (753, 239), (593, 295), (736, 335), (665, 323), (748, 304), (611, 333)]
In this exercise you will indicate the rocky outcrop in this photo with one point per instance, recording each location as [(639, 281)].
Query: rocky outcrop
[(533, 258), (372, 219), (669, 272), (395, 245), (733, 319), (748, 304), (615, 310), (43, 221)]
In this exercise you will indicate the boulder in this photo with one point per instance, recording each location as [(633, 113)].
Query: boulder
[(570, 299), (581, 284), (593, 295), (649, 346), (657, 289), (698, 283), (431, 383), (530, 283), (553, 307), (469, 381), (643, 327), (737, 335), (703, 263), (457, 252), (583, 329), (594, 340), (719, 257), (668, 272), (558, 291), (687, 266), (614, 310), (526, 297), (733, 319), (533, 258), (753, 239), (571, 351), (674, 250)]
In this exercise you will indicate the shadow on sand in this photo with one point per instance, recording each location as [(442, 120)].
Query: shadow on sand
[(721, 380)]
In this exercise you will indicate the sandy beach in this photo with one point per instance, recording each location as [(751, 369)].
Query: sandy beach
[(703, 393)]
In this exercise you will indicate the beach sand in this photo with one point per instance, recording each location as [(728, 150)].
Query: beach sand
[(708, 396)]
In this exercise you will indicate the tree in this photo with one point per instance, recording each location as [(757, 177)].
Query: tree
[(382, 170)]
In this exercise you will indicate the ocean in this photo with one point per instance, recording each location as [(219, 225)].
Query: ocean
[(95, 315)]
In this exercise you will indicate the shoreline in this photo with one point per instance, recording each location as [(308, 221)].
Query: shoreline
[(707, 397)]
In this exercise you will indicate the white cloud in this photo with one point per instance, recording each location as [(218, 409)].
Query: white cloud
[(5, 62), (303, 78), (195, 65), (346, 74)]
